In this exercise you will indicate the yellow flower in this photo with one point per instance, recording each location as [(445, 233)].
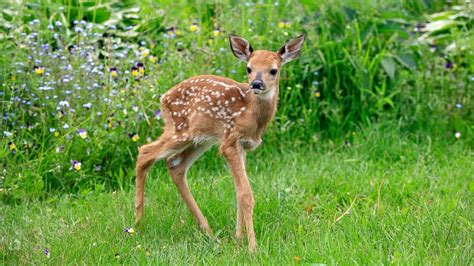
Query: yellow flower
[(82, 133), (145, 52), (284, 24), (113, 73), (56, 134), (12, 146), (317, 94), (216, 32), (129, 230), (152, 59), (141, 70), (134, 71), (297, 259), (76, 165), (210, 41), (39, 70), (177, 32), (135, 138), (194, 27)]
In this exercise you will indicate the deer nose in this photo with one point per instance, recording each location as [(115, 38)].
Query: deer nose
[(257, 84)]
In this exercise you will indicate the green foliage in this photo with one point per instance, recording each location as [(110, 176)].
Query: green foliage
[(364, 63)]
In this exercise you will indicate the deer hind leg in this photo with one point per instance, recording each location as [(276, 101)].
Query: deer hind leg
[(148, 154), (178, 166), (234, 156)]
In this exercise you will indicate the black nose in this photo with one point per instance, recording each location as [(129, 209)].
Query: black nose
[(257, 84)]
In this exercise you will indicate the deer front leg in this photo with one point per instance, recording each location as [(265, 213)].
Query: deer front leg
[(234, 156)]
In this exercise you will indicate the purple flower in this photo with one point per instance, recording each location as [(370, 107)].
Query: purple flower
[(448, 64), (157, 114), (47, 253)]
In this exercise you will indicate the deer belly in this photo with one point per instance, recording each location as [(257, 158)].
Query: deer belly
[(250, 144)]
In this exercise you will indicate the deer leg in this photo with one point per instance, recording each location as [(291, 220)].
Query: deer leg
[(147, 155), (178, 166), (234, 156)]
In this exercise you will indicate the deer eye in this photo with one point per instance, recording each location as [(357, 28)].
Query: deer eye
[(273, 72), (249, 70)]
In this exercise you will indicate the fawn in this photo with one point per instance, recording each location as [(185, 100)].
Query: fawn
[(206, 110)]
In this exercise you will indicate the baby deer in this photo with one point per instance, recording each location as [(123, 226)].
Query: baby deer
[(206, 110)]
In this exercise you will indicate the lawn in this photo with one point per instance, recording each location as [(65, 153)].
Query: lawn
[(384, 200)]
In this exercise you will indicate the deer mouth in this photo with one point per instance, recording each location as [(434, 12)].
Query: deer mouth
[(258, 90)]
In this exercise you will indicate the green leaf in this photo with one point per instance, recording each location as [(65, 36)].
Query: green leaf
[(407, 60), (389, 65)]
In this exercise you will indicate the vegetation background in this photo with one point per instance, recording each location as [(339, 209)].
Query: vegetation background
[(368, 160)]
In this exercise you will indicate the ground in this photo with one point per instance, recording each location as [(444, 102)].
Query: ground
[(348, 204)]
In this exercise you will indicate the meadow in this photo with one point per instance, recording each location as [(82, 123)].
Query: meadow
[(368, 160)]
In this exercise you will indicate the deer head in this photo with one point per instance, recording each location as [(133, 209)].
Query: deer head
[(263, 67)]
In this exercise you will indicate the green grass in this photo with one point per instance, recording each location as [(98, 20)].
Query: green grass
[(412, 204)]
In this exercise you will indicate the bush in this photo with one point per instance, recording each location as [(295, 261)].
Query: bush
[(81, 83)]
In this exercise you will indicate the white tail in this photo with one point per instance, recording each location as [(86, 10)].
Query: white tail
[(206, 110)]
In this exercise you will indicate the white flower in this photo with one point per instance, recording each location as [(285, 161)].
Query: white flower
[(457, 135)]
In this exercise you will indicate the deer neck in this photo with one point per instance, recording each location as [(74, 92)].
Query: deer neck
[(265, 108)]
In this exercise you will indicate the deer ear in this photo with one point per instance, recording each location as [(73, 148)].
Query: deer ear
[(240, 47), (291, 49)]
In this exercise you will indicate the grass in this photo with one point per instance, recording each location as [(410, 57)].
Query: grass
[(379, 201)]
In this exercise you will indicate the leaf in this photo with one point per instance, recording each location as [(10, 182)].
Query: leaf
[(407, 60), (389, 65)]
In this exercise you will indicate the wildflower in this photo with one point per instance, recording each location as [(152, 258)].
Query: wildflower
[(448, 64), (194, 27), (87, 106), (216, 32), (52, 130), (171, 32), (317, 93), (56, 134), (47, 253), (12, 146), (147, 252), (284, 24), (113, 72), (152, 59), (157, 114), (134, 71), (145, 52), (39, 70), (82, 133), (135, 108), (97, 167), (458, 105), (129, 230), (141, 68), (76, 165), (63, 103), (457, 135), (60, 114), (7, 134), (134, 137), (117, 256), (297, 259)]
